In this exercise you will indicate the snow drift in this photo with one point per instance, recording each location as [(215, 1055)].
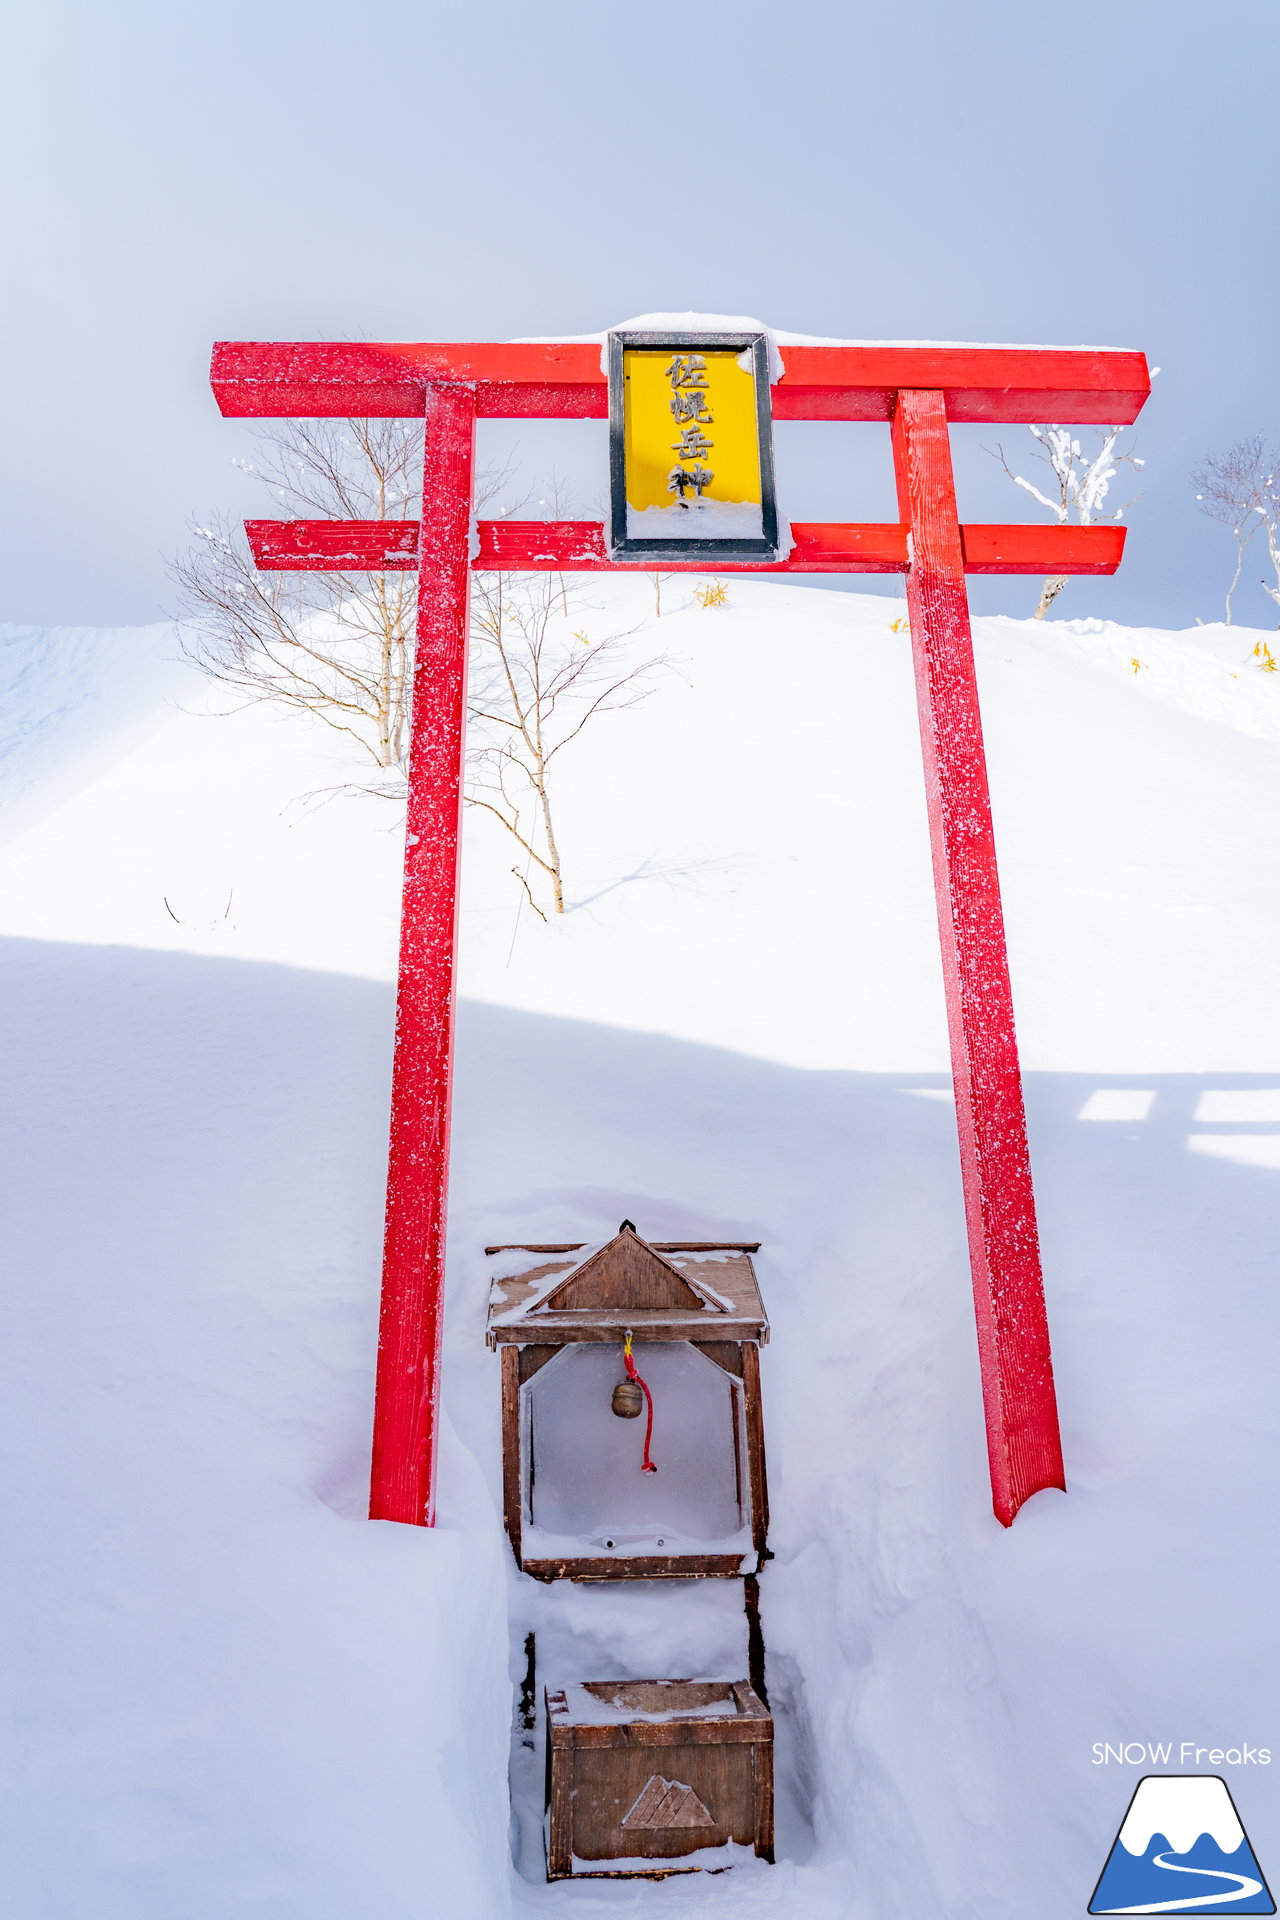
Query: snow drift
[(233, 1694)]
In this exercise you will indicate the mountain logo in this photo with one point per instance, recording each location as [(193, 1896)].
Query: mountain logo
[(1181, 1849), (667, 1804)]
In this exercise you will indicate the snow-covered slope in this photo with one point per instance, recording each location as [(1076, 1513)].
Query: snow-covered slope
[(236, 1696)]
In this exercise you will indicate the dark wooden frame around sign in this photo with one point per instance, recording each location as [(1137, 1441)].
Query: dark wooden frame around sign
[(621, 546)]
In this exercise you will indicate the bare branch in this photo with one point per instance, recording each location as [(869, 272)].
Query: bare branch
[(537, 682), (529, 895), (1241, 489)]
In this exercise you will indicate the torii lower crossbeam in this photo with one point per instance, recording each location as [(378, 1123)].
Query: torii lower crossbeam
[(918, 390)]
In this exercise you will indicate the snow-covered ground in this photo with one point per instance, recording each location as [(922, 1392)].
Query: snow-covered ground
[(229, 1693)]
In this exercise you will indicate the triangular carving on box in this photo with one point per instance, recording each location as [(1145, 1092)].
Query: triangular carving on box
[(627, 1274), (664, 1804)]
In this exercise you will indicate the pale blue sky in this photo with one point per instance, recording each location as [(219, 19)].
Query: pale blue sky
[(1098, 173)]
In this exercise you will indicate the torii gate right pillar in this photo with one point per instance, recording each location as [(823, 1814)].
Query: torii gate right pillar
[(1023, 1440)]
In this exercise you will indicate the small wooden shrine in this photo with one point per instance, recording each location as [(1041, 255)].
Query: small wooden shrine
[(632, 1432), (650, 1777)]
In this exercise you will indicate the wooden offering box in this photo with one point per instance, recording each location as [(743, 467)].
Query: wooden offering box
[(579, 1501), (650, 1777)]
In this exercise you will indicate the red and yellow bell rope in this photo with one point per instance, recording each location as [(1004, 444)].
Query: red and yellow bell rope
[(647, 1465)]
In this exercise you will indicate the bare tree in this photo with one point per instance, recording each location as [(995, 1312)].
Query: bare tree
[(1241, 489), (536, 682), (338, 646), (1081, 481), (658, 582)]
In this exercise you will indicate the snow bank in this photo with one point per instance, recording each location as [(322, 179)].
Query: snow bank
[(72, 701), (235, 1695)]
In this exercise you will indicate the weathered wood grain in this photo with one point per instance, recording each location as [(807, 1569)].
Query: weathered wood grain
[(560, 1763), (610, 1291), (512, 1492), (653, 1566), (657, 1790), (724, 1353), (756, 1475), (533, 1359), (626, 1276), (610, 1323), (663, 1246)]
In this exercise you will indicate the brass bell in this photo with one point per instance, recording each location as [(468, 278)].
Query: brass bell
[(627, 1400)]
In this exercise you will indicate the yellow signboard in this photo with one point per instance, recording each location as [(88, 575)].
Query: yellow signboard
[(691, 457)]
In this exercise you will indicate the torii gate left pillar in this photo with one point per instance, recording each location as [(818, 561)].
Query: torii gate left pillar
[(407, 1394), (918, 391)]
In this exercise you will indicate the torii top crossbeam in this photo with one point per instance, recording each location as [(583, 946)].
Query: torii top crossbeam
[(357, 380), (918, 390)]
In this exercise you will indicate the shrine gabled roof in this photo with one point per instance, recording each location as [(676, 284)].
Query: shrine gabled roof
[(662, 1290)]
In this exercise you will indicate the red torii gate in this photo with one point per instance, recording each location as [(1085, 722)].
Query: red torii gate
[(918, 391)]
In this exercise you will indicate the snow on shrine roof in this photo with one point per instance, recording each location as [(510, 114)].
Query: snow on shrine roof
[(624, 1702), (713, 1292)]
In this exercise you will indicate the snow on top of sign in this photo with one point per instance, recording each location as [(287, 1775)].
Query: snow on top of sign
[(667, 323), (782, 337)]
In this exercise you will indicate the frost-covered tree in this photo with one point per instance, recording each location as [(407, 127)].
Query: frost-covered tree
[(338, 647), (1081, 480), (1241, 489)]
